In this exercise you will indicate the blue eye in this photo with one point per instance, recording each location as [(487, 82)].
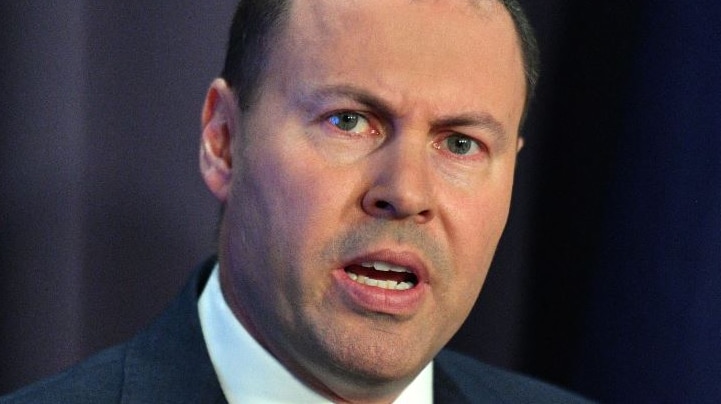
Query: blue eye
[(460, 145), (349, 122)]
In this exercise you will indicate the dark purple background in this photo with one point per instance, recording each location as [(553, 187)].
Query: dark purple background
[(608, 279)]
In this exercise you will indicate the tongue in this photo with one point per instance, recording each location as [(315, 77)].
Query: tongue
[(382, 275)]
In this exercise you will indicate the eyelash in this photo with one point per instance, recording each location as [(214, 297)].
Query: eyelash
[(479, 146), (336, 119)]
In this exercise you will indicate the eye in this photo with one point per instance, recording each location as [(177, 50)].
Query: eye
[(460, 145), (349, 122)]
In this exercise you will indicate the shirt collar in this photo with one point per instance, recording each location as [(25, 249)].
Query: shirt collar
[(249, 374)]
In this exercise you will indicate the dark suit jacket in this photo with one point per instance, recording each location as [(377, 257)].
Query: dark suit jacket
[(169, 363)]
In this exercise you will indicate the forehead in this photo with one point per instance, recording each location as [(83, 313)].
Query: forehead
[(349, 16), (452, 51), (324, 18)]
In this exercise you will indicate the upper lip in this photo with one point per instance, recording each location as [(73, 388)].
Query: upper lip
[(406, 259)]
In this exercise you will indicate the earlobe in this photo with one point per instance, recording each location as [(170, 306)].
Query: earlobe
[(218, 126), (519, 144)]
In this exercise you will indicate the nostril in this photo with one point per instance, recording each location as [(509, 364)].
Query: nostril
[(383, 205)]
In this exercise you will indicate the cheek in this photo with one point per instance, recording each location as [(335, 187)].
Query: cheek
[(476, 222), (480, 220), (302, 200)]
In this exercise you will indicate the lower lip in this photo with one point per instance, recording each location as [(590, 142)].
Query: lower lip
[(378, 300)]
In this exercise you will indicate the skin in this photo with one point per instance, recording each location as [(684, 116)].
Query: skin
[(307, 195)]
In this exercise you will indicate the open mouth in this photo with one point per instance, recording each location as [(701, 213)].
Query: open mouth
[(382, 275)]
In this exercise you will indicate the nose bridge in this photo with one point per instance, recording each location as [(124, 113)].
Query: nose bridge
[(408, 163), (401, 184)]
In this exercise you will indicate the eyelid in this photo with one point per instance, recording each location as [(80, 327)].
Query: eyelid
[(374, 126), (440, 144)]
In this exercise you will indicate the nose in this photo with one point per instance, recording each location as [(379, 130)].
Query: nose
[(401, 187)]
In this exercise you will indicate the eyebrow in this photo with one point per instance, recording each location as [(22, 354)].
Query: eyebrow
[(480, 120), (323, 94)]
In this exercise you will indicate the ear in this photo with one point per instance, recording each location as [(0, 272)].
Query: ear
[(519, 144), (218, 120)]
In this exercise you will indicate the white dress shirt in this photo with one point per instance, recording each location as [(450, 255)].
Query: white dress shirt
[(249, 374)]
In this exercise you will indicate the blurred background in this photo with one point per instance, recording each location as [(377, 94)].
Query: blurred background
[(607, 280)]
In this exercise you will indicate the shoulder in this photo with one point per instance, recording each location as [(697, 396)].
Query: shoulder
[(98, 379), (166, 362), (474, 380)]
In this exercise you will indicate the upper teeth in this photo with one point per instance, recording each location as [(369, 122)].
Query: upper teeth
[(382, 266), (384, 284)]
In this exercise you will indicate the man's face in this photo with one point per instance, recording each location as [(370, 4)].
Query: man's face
[(370, 184)]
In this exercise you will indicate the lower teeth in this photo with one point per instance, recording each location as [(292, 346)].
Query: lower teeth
[(390, 285)]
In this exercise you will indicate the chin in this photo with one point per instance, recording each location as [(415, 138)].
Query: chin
[(374, 363)]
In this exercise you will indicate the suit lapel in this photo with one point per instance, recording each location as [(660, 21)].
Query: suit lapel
[(445, 389), (168, 362)]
